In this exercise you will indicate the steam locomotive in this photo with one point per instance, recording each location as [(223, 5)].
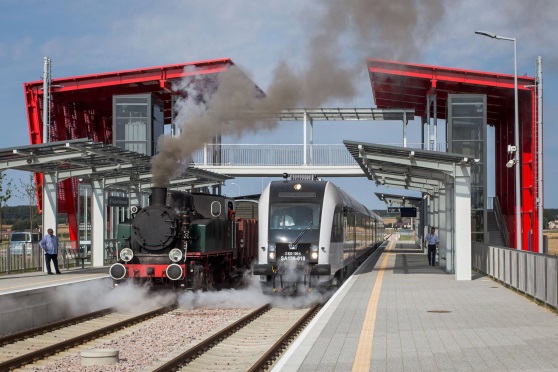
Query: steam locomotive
[(184, 240), (312, 235)]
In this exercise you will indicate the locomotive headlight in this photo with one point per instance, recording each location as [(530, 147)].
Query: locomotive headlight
[(271, 251), (314, 252), (175, 255), (126, 254)]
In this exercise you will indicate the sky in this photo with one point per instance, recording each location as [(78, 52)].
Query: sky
[(323, 44)]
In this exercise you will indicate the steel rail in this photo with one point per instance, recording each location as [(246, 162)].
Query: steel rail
[(269, 357), (78, 340), (10, 339), (206, 344)]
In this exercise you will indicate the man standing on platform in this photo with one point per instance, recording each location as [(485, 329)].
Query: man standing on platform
[(49, 244), (432, 241)]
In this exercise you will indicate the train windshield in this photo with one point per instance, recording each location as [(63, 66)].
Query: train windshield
[(295, 216)]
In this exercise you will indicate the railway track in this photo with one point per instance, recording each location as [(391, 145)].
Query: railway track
[(10, 339), (27, 347), (249, 344)]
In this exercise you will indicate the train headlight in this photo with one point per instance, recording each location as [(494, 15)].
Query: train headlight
[(314, 252), (175, 255), (126, 255), (271, 251)]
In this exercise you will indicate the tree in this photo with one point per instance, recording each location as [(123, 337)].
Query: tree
[(548, 215), (29, 191), (5, 195)]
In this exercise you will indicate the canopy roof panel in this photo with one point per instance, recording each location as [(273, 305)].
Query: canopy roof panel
[(406, 85), (403, 167), (93, 160)]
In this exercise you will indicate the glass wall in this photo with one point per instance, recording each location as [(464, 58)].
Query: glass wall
[(138, 121), (466, 119)]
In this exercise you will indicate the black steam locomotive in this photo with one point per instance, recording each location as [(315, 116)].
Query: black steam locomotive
[(184, 240)]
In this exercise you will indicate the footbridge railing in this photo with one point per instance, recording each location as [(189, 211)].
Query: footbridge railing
[(246, 155)]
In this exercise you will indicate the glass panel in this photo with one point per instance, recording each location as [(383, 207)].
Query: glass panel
[(294, 215), (477, 221), (131, 123), (477, 198), (468, 148), (477, 237)]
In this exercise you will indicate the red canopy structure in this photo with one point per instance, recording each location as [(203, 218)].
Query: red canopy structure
[(81, 107), (406, 85)]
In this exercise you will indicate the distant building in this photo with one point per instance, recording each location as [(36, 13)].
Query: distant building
[(553, 224)]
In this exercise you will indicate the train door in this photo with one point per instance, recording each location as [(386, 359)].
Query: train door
[(349, 246)]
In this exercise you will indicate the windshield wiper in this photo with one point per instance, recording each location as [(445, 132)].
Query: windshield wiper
[(293, 244)]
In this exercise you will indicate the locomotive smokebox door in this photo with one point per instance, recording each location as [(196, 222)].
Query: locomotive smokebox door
[(155, 227)]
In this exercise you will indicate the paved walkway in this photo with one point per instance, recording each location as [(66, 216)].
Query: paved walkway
[(397, 313)]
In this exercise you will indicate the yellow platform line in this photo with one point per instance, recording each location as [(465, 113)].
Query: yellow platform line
[(363, 356)]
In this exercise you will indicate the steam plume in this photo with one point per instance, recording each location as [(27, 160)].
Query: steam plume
[(342, 36)]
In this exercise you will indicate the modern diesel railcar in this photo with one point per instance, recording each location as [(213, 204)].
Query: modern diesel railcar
[(185, 240), (311, 235)]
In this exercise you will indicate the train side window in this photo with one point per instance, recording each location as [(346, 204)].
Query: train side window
[(215, 209)]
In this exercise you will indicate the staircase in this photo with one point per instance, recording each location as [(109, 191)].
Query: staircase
[(494, 234)]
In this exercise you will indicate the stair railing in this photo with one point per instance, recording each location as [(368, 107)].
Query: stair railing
[(502, 226)]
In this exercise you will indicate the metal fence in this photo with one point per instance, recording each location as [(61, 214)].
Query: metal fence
[(534, 274), (69, 255)]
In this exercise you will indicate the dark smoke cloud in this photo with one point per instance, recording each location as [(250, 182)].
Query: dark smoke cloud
[(341, 36)]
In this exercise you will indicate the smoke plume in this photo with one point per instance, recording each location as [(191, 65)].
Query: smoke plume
[(340, 38)]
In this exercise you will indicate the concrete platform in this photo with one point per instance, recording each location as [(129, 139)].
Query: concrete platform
[(397, 313), (29, 300), (34, 280)]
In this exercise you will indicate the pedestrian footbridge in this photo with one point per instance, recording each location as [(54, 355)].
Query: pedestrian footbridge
[(265, 160)]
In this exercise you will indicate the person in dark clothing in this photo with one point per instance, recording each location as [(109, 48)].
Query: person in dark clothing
[(49, 244), (432, 242)]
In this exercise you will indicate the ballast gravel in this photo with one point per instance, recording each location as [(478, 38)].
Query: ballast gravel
[(147, 343)]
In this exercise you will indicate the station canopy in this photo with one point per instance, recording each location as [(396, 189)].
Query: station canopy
[(403, 167), (87, 160)]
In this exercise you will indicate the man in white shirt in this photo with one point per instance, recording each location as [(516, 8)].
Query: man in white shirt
[(432, 241), (49, 244)]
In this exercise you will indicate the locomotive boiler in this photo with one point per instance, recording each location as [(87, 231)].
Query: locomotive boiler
[(184, 240)]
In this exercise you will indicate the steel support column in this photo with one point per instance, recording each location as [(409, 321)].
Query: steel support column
[(97, 223), (443, 217), (50, 204), (462, 228)]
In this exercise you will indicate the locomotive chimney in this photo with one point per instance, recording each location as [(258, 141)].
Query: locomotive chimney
[(158, 196)]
